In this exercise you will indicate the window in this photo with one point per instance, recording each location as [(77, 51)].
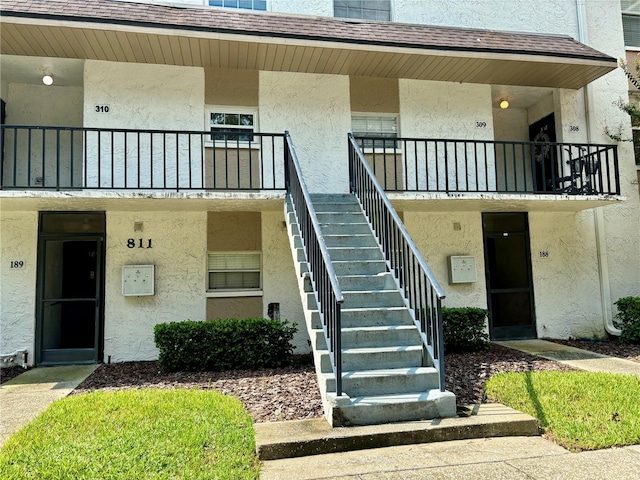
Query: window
[(233, 271), (234, 126), (377, 126), (363, 9), (244, 4), (631, 22)]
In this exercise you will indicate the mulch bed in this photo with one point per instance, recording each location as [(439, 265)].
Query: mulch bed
[(7, 373), (291, 393)]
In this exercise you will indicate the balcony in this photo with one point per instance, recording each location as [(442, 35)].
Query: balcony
[(494, 173), (68, 159)]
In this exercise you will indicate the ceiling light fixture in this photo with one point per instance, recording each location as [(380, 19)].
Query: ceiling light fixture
[(504, 104), (47, 79)]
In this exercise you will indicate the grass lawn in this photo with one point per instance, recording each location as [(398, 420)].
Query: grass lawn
[(580, 410), (135, 434)]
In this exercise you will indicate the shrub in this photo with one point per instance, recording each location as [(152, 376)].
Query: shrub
[(629, 318), (465, 329), (224, 344)]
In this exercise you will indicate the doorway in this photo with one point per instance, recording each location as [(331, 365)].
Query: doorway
[(545, 157), (509, 280), (70, 303)]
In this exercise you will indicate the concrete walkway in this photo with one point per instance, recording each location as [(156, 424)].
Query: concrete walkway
[(24, 397), (506, 457), (509, 458), (574, 357)]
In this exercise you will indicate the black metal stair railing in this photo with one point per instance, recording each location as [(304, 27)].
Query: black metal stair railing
[(67, 158), (323, 277), (422, 292), (483, 166)]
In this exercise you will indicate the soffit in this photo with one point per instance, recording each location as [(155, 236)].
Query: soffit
[(103, 30)]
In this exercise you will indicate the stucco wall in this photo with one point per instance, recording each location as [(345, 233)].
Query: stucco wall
[(447, 110), (622, 222), (315, 109), (231, 87), (278, 274), (308, 7), (50, 106), (18, 242), (143, 97), (528, 15), (437, 239), (566, 282), (378, 95), (179, 242)]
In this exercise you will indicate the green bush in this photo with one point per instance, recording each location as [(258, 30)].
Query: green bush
[(629, 317), (465, 329), (224, 344)]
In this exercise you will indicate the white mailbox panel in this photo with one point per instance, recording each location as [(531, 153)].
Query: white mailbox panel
[(462, 269), (137, 280)]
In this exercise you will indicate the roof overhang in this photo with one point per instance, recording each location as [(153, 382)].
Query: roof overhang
[(223, 42)]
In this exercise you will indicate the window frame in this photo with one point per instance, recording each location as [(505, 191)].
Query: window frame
[(363, 3), (252, 9), (231, 110), (234, 292), (627, 13), (366, 149)]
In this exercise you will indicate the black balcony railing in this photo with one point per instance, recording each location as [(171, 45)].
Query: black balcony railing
[(422, 292), (475, 166), (62, 158), (323, 278)]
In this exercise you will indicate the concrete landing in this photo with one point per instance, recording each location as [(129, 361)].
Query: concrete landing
[(26, 396), (574, 357), (278, 440)]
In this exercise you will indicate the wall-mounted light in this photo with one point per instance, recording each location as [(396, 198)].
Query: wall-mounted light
[(47, 79), (504, 104)]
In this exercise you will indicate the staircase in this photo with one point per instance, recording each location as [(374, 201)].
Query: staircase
[(386, 377)]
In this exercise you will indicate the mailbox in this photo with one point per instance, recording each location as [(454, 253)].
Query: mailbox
[(137, 280), (462, 269)]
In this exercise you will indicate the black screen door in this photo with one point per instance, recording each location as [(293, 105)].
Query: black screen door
[(69, 310), (508, 271)]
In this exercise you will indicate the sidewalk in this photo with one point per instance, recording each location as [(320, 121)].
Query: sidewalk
[(509, 458), (26, 396), (513, 458)]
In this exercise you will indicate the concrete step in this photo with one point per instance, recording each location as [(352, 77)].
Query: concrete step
[(384, 381), (365, 267), (301, 438), (364, 299), (339, 217), (369, 317), (335, 207), (333, 197), (372, 298), (398, 407), (375, 358), (380, 336), (345, 228), (351, 240), (371, 337), (381, 281), (355, 253)]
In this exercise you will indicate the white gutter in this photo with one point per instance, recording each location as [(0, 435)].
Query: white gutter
[(598, 214)]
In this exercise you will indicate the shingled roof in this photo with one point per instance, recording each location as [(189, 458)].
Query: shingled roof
[(219, 20)]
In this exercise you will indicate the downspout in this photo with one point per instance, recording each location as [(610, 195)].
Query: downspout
[(598, 214)]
